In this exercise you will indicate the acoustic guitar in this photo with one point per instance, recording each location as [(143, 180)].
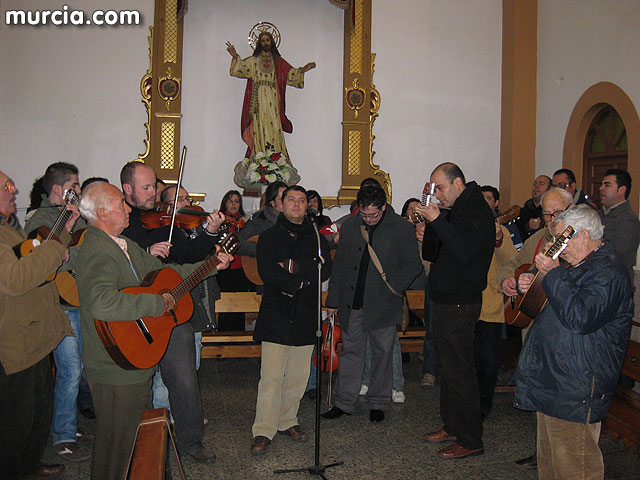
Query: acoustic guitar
[(43, 233), (520, 311), (66, 281), (141, 344)]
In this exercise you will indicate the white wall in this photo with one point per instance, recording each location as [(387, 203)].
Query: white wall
[(71, 93), (438, 70), (581, 43)]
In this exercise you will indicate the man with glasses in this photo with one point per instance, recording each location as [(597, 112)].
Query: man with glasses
[(368, 309), (178, 364), (570, 364), (566, 180), (554, 202), (31, 326)]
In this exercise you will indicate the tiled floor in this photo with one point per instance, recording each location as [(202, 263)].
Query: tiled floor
[(392, 449)]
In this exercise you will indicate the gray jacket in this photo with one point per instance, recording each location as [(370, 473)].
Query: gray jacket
[(396, 246), (622, 228)]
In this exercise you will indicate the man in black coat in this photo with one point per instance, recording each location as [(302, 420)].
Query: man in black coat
[(368, 309), (286, 323), (456, 281)]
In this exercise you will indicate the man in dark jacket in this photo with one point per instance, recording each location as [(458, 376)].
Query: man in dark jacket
[(368, 309), (574, 351), (456, 281), (286, 324)]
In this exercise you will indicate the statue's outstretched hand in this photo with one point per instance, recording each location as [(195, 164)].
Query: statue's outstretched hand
[(309, 66), (232, 50)]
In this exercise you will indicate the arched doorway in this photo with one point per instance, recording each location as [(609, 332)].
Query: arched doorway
[(590, 108), (605, 147)]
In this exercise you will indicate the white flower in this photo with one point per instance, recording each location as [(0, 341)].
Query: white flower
[(270, 177), (260, 155), (254, 176)]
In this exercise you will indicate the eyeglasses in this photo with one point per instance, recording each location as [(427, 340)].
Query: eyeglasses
[(371, 216), (553, 215), (9, 186), (187, 199)]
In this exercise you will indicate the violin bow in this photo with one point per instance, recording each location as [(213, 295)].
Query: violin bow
[(175, 200)]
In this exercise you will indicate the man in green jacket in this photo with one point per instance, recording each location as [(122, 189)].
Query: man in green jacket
[(107, 264), (31, 326)]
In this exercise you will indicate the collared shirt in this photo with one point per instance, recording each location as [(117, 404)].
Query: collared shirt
[(122, 243), (607, 210)]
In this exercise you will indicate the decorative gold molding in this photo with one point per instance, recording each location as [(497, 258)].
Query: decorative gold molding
[(359, 93), (169, 88), (146, 84)]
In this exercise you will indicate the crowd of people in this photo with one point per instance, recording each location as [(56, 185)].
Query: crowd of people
[(454, 247)]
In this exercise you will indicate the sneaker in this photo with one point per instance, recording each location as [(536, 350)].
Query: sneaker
[(397, 396), (428, 380), (72, 452), (205, 421), (82, 435), (364, 389)]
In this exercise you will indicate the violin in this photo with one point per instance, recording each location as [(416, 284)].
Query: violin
[(160, 216), (237, 224), (331, 334)]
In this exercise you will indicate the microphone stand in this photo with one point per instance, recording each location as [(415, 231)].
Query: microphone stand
[(316, 468)]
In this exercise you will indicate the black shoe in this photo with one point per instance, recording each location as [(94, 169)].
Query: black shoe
[(335, 412), (376, 415), (88, 413), (310, 394), (528, 463)]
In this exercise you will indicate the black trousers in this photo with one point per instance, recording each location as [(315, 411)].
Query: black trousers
[(26, 409), (459, 398), (487, 357)]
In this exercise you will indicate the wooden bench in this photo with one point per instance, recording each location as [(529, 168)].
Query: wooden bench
[(241, 344), (623, 418)]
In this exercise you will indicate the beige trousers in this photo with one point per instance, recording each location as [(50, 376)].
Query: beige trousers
[(568, 450), (283, 378)]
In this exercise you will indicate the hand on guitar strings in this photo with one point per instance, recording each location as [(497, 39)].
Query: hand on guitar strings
[(508, 286), (429, 212), (224, 258), (75, 214), (160, 249), (545, 263), (524, 282), (169, 303)]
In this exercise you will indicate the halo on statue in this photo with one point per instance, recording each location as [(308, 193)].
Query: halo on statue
[(258, 28)]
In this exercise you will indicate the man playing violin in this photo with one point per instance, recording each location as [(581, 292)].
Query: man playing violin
[(31, 326), (108, 263), (178, 366), (58, 179)]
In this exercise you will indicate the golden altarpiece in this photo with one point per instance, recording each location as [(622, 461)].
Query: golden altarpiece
[(161, 94)]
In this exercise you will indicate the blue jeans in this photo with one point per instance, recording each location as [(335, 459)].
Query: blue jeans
[(397, 378), (311, 384), (160, 392), (68, 358)]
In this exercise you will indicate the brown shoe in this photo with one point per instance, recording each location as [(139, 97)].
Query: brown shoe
[(458, 451), (260, 445), (439, 436), (48, 471), (296, 433)]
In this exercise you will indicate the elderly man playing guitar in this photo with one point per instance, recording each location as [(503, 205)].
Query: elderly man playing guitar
[(107, 264)]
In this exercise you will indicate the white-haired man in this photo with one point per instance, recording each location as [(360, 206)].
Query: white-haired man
[(108, 263), (573, 354)]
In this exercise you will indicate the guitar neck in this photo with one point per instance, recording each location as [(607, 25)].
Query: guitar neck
[(59, 224), (199, 274)]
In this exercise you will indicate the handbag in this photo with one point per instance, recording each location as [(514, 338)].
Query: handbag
[(404, 323)]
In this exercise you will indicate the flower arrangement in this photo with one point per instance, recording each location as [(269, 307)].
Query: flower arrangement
[(265, 168)]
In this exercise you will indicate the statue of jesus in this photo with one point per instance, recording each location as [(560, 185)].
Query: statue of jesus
[(263, 112)]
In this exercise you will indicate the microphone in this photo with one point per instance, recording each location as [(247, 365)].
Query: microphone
[(313, 212)]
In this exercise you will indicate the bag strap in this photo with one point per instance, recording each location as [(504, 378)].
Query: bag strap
[(376, 260)]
